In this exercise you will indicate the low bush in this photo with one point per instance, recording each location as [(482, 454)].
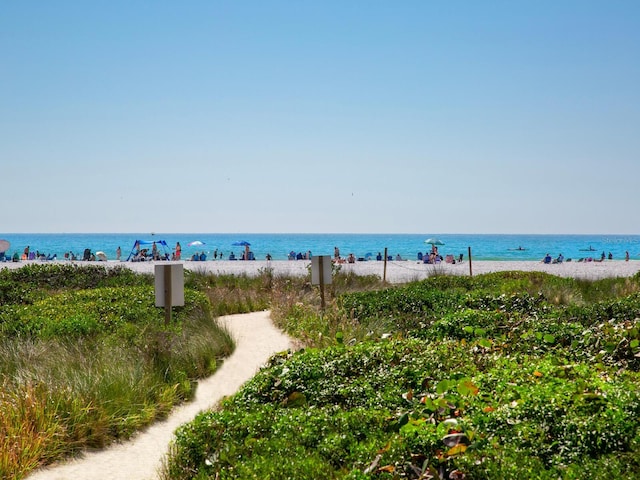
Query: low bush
[(508, 375)]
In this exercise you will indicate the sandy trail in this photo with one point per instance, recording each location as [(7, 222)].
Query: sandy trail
[(140, 458)]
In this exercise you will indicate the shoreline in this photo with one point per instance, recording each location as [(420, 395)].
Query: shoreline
[(396, 271)]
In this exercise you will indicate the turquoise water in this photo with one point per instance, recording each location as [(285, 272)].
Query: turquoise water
[(483, 247)]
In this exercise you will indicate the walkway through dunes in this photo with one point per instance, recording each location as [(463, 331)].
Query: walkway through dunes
[(141, 457)]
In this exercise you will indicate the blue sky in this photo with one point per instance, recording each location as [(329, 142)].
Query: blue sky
[(342, 117)]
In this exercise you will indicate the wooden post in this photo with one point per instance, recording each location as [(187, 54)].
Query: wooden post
[(321, 281), (167, 295), (384, 275), (470, 270)]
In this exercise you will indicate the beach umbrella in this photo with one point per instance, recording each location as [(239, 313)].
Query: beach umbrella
[(434, 241), (241, 244), (195, 243), (4, 245), (101, 256)]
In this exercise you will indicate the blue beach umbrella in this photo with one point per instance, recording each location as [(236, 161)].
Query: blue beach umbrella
[(241, 244)]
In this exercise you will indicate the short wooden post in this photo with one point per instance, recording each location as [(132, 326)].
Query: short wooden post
[(470, 270), (384, 275)]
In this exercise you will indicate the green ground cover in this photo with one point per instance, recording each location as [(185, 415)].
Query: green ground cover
[(85, 359), (509, 375)]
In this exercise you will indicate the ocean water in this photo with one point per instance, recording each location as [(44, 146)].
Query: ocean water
[(483, 247)]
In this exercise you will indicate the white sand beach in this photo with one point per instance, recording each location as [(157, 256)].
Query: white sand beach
[(396, 271)]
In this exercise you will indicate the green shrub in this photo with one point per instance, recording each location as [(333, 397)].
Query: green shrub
[(509, 375)]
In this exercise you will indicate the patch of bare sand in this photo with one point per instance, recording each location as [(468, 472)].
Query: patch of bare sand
[(141, 458)]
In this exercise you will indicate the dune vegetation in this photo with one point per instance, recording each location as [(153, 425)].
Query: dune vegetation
[(507, 375), (85, 359)]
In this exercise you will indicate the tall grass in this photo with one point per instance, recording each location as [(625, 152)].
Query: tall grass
[(59, 397), (29, 431)]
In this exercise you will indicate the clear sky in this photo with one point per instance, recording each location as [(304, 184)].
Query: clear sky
[(331, 116)]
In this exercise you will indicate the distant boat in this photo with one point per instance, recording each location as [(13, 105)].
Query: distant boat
[(519, 249), (590, 249)]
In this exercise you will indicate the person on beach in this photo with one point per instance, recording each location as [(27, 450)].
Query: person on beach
[(626, 256), (118, 253), (25, 254), (178, 251)]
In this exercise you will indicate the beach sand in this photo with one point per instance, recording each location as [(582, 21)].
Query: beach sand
[(396, 271)]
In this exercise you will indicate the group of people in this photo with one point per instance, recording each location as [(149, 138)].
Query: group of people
[(37, 255), (300, 256), (27, 254), (143, 254), (428, 257), (559, 259)]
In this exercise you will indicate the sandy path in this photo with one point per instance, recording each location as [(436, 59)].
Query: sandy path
[(139, 459)]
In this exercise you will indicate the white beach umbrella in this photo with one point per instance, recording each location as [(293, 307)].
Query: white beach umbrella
[(434, 241)]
